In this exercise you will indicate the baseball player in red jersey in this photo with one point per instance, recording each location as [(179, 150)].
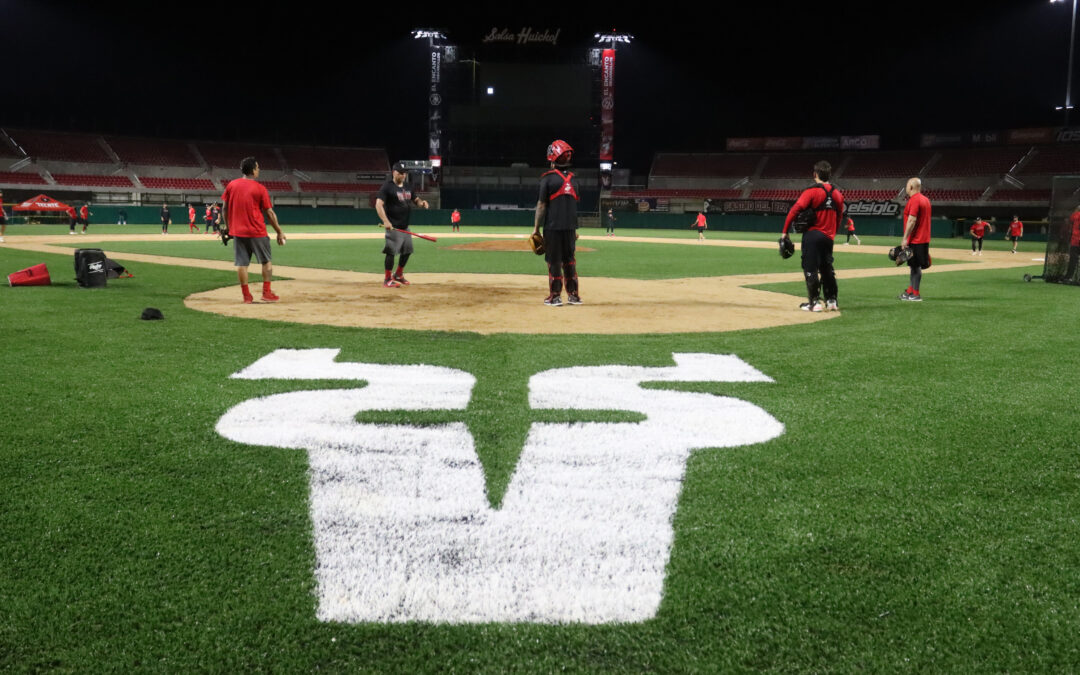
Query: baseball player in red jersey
[(1016, 231), (84, 216), (827, 204), (849, 224), (978, 230), (556, 211), (1074, 244), (192, 227), (3, 218), (455, 221), (916, 221), (701, 226), (246, 200), (73, 219)]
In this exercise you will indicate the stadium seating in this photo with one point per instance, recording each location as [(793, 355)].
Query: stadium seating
[(899, 164), (13, 178), (349, 188), (716, 193), (1021, 196), (790, 195), (277, 185), (229, 155), (1052, 160), (977, 161), (88, 180), (364, 160), (200, 184), (152, 152), (61, 147), (713, 165), (953, 195), (868, 195)]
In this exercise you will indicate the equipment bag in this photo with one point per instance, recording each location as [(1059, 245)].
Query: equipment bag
[(90, 267)]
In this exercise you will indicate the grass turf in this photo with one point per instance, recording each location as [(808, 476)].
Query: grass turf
[(917, 514)]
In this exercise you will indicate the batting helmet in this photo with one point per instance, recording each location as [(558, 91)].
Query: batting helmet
[(787, 248), (559, 152)]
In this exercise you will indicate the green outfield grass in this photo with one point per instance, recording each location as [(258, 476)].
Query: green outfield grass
[(918, 514)]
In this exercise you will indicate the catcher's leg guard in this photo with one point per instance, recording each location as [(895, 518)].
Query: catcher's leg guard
[(570, 272), (554, 282)]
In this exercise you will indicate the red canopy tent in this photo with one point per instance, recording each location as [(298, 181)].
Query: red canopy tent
[(43, 203)]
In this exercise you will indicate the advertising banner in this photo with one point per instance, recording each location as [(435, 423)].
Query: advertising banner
[(607, 105), (821, 143), (745, 144), (1032, 135), (866, 142), (783, 143)]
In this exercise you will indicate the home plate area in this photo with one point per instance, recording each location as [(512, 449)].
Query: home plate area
[(513, 303)]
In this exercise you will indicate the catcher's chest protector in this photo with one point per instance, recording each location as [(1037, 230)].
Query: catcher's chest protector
[(567, 188)]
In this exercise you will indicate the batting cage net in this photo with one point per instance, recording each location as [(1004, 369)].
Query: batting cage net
[(1063, 239)]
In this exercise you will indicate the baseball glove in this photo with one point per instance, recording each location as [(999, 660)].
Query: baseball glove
[(223, 232), (536, 241), (787, 248), (900, 255)]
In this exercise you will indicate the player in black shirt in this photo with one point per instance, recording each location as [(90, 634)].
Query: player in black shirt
[(556, 211), (164, 218), (394, 203)]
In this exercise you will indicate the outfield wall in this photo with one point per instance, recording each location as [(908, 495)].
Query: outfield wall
[(341, 215)]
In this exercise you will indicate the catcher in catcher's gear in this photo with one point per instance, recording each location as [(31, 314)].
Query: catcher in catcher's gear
[(556, 212), (820, 207)]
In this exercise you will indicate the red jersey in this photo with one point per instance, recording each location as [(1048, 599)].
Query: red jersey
[(71, 212), (919, 206), (1075, 241), (1015, 229), (827, 218), (84, 213), (245, 199), (191, 213), (455, 217), (850, 225), (978, 228), (207, 216), (700, 220)]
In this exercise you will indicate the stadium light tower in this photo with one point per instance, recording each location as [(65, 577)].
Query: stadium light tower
[(608, 42), (1068, 78)]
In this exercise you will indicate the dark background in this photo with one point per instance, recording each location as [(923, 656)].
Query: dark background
[(312, 74)]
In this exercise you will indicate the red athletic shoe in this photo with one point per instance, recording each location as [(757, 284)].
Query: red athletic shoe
[(248, 299), (390, 283), (269, 296), (401, 279)]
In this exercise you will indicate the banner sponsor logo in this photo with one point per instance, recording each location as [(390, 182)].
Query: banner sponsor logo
[(940, 140), (525, 36), (1033, 135), (986, 138), (744, 144), (821, 143), (783, 143), (867, 142), (1069, 135), (868, 208), (763, 206)]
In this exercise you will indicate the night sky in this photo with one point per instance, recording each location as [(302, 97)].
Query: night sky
[(256, 72)]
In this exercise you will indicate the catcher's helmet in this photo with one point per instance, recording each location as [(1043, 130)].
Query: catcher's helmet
[(559, 152), (787, 248)]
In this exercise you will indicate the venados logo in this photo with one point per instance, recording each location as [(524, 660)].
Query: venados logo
[(403, 527)]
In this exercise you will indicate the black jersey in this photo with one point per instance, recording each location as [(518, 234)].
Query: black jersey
[(397, 201), (558, 191), (164, 213)]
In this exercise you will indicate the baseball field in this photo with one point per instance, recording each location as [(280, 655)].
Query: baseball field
[(684, 474)]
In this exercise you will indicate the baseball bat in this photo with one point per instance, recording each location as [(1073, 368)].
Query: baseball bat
[(417, 234)]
